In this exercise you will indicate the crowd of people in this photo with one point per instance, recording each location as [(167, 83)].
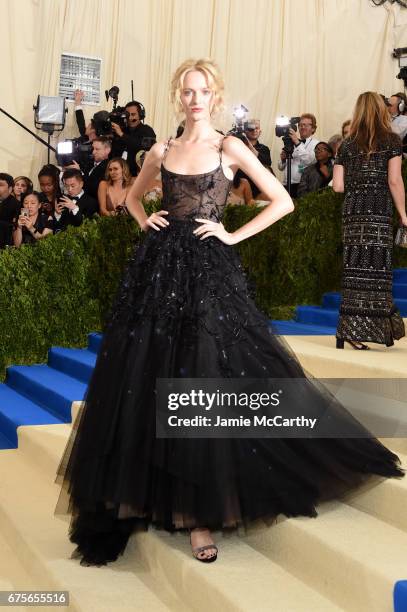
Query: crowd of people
[(99, 185)]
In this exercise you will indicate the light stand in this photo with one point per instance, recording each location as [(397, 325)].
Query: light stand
[(49, 116), (50, 148)]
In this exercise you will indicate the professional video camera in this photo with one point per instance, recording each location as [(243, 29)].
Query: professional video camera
[(74, 149), (102, 120)]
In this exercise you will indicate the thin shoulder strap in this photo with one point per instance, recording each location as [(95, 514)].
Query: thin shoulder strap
[(166, 148), (221, 148)]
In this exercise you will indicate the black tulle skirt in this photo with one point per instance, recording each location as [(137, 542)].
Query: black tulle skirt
[(184, 309)]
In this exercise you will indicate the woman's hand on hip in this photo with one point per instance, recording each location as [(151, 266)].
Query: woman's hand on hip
[(156, 220), (212, 228)]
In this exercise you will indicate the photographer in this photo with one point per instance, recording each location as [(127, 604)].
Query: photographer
[(9, 209), (397, 107), (75, 205), (101, 148), (253, 133), (261, 151), (135, 137), (32, 224), (303, 154)]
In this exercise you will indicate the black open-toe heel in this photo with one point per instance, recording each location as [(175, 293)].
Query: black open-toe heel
[(199, 549), (358, 346)]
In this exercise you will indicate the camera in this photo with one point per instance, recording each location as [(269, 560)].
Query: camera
[(403, 75), (74, 150), (102, 120), (284, 124), (239, 126)]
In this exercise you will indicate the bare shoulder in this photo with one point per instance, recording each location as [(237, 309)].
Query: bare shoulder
[(233, 146), (157, 151)]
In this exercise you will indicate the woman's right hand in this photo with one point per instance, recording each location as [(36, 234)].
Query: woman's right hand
[(156, 220), (403, 221)]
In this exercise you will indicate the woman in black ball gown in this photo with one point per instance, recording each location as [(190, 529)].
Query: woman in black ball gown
[(368, 168), (183, 310)]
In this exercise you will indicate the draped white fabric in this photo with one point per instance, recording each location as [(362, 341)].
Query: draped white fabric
[(277, 56)]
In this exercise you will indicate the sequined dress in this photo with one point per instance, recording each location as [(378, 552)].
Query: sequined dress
[(184, 310), (367, 311)]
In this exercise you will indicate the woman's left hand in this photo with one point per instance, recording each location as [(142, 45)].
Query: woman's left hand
[(211, 228)]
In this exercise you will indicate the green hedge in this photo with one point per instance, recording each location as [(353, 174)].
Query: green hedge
[(55, 292)]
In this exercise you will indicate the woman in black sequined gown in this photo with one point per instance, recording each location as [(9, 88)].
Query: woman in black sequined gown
[(184, 310), (368, 168)]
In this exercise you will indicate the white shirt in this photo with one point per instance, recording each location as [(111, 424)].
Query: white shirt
[(303, 156), (399, 125)]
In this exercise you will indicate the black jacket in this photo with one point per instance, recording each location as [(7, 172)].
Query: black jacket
[(88, 206), (312, 179), (9, 211), (133, 140), (93, 177), (80, 121)]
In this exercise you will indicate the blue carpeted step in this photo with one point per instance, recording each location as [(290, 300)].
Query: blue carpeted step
[(53, 390), (331, 300), (316, 315), (5, 443), (94, 342), (16, 410), (400, 275), (400, 596), (78, 363), (292, 328), (400, 291), (402, 306)]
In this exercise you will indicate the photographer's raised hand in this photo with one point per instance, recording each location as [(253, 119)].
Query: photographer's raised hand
[(294, 136), (79, 96), (117, 129)]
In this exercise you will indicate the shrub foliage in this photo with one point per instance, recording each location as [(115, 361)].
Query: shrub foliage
[(57, 291)]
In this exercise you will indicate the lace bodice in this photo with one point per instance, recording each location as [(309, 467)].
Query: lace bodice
[(187, 196)]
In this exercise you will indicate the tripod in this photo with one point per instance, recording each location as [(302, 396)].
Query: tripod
[(289, 149)]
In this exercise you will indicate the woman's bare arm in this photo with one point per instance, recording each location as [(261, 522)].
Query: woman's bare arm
[(396, 186), (149, 171), (280, 202), (338, 184), (102, 199)]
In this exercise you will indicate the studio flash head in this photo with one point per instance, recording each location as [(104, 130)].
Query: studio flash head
[(284, 124)]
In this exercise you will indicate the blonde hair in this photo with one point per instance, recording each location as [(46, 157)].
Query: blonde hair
[(211, 72), (126, 181), (370, 124)]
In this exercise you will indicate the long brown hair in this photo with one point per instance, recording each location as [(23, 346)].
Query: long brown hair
[(127, 178), (370, 124)]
